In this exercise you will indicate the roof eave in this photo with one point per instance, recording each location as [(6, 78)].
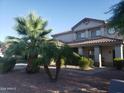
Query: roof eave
[(85, 19)]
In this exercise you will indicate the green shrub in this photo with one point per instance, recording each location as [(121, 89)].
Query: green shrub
[(91, 62), (118, 63), (62, 61), (118, 59), (73, 59), (78, 60), (7, 64), (85, 63), (72, 62)]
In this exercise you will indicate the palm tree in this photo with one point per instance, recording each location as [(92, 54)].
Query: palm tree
[(32, 30), (34, 43), (52, 51), (117, 19)]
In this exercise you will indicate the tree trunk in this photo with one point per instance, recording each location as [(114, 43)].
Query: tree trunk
[(29, 68), (58, 66), (48, 72)]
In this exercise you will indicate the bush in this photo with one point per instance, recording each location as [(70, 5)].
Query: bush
[(118, 59), (63, 62), (85, 63), (118, 63), (72, 62), (7, 64), (73, 59), (91, 62), (78, 60)]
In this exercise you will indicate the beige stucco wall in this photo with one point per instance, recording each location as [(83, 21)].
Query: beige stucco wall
[(119, 51), (68, 37), (89, 25), (72, 36), (65, 37), (107, 54)]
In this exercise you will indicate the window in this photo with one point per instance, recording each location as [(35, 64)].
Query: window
[(95, 33), (98, 33), (83, 35), (80, 35)]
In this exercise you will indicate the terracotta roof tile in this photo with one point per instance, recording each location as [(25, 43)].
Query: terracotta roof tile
[(62, 33), (97, 41)]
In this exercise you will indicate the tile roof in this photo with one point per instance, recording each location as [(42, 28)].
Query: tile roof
[(97, 41), (92, 19), (68, 32), (62, 33)]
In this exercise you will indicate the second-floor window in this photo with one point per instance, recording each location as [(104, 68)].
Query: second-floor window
[(98, 32), (80, 35), (95, 33)]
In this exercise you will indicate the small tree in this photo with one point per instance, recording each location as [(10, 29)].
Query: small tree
[(117, 19), (52, 51)]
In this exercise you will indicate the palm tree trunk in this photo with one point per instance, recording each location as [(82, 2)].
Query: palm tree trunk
[(58, 66), (29, 68), (48, 72)]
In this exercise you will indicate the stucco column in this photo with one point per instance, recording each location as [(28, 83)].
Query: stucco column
[(80, 50), (97, 56), (119, 51)]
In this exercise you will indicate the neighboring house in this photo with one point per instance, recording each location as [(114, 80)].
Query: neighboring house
[(91, 37), (1, 53), (2, 49)]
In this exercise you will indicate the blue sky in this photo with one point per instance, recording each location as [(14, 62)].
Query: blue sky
[(61, 14)]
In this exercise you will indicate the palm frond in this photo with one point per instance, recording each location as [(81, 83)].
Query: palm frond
[(21, 26), (42, 34)]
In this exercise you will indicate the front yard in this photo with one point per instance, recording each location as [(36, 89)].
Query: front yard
[(70, 81)]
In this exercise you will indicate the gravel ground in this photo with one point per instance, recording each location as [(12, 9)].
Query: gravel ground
[(70, 81)]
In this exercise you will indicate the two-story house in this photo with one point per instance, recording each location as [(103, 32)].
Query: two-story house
[(91, 37)]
